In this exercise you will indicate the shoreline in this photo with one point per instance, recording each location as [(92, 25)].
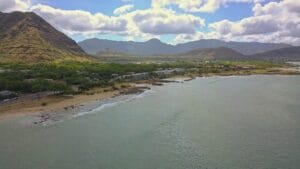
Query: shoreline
[(55, 108), (64, 107), (54, 104)]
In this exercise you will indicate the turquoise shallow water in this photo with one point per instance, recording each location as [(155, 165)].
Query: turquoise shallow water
[(250, 122)]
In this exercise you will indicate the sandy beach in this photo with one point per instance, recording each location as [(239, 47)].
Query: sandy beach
[(54, 104), (44, 107), (57, 107)]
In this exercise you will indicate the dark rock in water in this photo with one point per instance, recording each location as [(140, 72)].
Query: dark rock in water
[(6, 94), (43, 119), (167, 81), (157, 84), (192, 78), (134, 90)]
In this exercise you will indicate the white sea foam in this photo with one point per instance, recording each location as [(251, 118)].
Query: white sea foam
[(101, 107), (141, 95), (113, 103)]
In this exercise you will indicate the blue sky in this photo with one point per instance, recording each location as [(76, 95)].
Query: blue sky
[(172, 21), (233, 12)]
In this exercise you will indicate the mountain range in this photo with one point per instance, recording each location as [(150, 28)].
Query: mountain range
[(156, 47), (27, 37), (219, 53), (284, 54)]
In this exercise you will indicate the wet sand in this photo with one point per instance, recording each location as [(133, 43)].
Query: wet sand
[(60, 103)]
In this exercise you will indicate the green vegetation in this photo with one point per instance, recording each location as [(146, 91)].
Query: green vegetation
[(63, 76), (69, 77), (255, 64), (44, 104)]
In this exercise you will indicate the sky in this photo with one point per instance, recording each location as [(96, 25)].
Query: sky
[(171, 21)]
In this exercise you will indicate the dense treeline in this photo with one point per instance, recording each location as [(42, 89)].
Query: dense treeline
[(63, 76), (60, 77)]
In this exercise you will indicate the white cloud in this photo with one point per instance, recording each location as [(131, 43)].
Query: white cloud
[(14, 5), (247, 26), (272, 22), (278, 8), (138, 24), (158, 21), (182, 38), (197, 5), (123, 9), (80, 21)]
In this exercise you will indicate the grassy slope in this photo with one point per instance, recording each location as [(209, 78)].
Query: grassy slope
[(26, 37)]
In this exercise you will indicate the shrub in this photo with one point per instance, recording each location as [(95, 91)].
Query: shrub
[(44, 104)]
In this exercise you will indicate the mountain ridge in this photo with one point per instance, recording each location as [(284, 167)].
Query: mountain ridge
[(25, 36), (219, 53), (284, 54), (93, 46)]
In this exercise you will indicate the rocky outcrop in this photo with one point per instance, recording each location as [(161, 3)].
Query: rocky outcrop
[(6, 94)]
